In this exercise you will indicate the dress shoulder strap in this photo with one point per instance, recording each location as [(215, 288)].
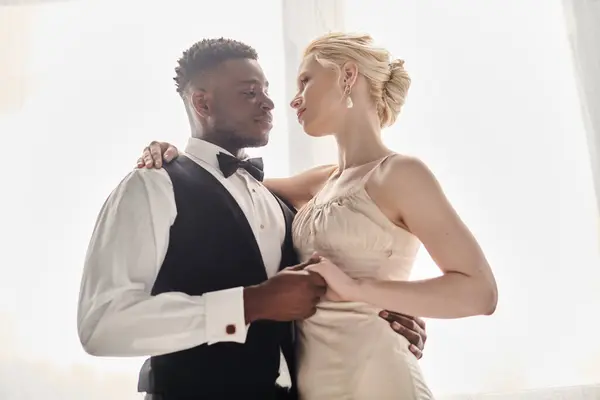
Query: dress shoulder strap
[(379, 163)]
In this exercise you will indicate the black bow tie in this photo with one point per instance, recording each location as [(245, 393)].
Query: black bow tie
[(229, 164)]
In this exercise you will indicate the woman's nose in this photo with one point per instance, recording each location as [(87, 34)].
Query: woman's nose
[(296, 102)]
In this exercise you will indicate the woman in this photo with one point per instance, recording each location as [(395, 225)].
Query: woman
[(366, 218)]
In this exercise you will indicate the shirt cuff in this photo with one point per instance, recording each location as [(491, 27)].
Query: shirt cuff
[(225, 319)]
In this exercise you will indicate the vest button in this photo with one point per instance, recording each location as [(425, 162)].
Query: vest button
[(230, 329)]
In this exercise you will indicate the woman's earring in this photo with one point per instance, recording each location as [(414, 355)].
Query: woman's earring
[(349, 103)]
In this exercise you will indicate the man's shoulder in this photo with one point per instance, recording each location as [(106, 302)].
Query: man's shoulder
[(144, 175), (145, 181), (142, 192)]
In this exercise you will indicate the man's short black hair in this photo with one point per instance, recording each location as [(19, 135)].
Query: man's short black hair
[(207, 54)]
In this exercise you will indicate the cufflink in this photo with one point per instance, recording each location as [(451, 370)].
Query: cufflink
[(230, 329)]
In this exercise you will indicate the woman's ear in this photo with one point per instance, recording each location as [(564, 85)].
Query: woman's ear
[(349, 74)]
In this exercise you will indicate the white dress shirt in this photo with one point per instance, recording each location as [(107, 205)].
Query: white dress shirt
[(117, 316)]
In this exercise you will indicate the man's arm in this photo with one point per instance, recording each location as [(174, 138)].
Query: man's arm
[(117, 316)]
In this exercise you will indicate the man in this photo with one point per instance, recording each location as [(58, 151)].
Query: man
[(187, 263)]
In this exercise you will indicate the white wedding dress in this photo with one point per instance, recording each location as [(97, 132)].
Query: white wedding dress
[(345, 350)]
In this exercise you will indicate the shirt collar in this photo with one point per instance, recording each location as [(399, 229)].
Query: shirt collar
[(204, 151)]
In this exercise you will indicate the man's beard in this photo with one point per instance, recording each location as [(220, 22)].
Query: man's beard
[(233, 142)]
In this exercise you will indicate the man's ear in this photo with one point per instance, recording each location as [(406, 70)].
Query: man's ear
[(200, 101)]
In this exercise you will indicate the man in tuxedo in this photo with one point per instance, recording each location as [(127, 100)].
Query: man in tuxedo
[(187, 264)]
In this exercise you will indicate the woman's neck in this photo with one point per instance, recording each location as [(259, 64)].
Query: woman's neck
[(359, 141)]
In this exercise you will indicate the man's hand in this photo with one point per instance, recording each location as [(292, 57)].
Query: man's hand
[(290, 295), (412, 328), (156, 153)]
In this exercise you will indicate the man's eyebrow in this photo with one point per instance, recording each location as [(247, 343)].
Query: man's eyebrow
[(253, 81)]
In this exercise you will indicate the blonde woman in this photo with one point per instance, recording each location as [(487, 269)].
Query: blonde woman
[(365, 218)]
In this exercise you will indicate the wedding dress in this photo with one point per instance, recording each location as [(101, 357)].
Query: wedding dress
[(345, 350)]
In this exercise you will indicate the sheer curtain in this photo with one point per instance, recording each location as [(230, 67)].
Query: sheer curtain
[(95, 88), (494, 111), (582, 18)]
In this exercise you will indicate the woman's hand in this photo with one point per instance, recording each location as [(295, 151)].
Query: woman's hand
[(340, 287), (156, 153)]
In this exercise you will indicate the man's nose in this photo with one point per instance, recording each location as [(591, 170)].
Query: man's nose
[(267, 104)]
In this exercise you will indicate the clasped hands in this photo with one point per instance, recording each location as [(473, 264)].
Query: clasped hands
[(340, 286)]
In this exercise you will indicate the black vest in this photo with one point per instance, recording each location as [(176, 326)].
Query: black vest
[(212, 247)]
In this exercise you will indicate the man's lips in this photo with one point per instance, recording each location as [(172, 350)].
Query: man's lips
[(267, 119)]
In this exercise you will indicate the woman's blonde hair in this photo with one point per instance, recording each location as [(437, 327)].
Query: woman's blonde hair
[(388, 80)]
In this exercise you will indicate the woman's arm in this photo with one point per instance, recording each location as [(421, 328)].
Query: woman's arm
[(297, 189), (467, 286), (301, 188)]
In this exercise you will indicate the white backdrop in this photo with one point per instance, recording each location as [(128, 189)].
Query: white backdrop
[(493, 110)]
